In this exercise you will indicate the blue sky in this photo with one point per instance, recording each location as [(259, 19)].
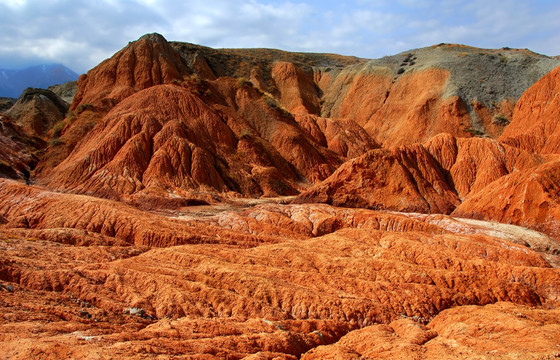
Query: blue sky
[(80, 34)]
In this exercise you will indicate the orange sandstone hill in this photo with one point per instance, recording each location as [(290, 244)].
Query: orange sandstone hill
[(512, 179), (280, 126), (535, 122), (199, 203)]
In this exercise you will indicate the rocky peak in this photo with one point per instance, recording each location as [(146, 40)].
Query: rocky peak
[(30, 94), (153, 37), (141, 64), (37, 110)]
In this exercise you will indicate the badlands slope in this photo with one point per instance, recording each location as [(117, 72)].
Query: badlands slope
[(198, 203)]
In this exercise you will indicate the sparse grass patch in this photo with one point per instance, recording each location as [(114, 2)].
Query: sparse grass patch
[(475, 132), (271, 101), (83, 107), (243, 82), (500, 119), (245, 133), (196, 85), (57, 129)]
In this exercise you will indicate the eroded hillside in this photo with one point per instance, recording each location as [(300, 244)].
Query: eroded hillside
[(200, 203)]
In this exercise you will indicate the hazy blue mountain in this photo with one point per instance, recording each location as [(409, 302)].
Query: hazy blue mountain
[(13, 82)]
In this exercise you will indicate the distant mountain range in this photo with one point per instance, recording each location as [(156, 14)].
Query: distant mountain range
[(13, 82)]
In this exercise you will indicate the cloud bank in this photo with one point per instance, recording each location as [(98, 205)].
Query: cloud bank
[(80, 34)]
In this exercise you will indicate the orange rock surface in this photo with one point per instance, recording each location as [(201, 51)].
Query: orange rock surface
[(176, 211), (414, 103), (535, 119), (305, 276), (298, 92), (401, 179), (528, 198), (434, 177), (498, 331), (417, 111)]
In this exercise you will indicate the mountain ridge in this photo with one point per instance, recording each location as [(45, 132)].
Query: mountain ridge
[(14, 81)]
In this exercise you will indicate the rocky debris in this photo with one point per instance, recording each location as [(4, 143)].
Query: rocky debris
[(8, 287), (37, 111), (133, 311)]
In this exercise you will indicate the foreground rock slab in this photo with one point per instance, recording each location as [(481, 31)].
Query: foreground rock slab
[(263, 282)]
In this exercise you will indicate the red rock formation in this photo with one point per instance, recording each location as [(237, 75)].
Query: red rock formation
[(528, 198), (401, 179), (471, 164), (367, 90), (430, 178), (410, 97), (151, 275), (410, 109), (143, 63), (168, 138), (342, 136), (535, 119), (220, 135), (298, 93), (417, 111)]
